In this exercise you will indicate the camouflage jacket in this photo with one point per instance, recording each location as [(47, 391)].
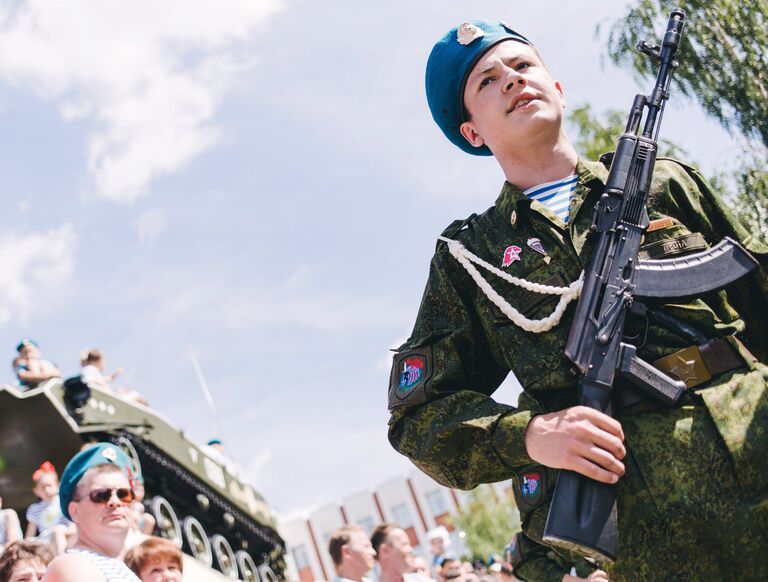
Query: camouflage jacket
[(462, 346)]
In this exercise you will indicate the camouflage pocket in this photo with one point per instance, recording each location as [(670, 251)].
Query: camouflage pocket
[(739, 409)]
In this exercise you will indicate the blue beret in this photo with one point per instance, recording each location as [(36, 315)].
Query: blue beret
[(450, 62), (98, 454), (26, 342)]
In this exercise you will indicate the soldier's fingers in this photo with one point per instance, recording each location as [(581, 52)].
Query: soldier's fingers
[(603, 421), (603, 458), (589, 469), (608, 442)]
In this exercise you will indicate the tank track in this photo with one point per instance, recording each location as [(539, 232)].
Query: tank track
[(163, 476)]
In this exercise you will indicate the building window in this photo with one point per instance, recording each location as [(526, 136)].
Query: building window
[(402, 515), (301, 557), (367, 524), (437, 503)]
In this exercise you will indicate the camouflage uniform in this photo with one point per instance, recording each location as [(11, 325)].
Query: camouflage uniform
[(532, 561), (692, 504)]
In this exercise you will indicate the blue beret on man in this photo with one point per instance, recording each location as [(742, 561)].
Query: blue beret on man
[(452, 59), (93, 456), (26, 342)]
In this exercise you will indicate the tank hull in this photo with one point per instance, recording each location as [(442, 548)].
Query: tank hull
[(43, 424)]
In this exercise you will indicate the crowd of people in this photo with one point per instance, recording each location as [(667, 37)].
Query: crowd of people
[(390, 554), (87, 526)]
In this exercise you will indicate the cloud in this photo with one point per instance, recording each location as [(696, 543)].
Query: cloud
[(150, 225), (34, 270), (149, 75)]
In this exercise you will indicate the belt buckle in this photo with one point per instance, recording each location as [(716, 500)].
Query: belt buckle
[(686, 365)]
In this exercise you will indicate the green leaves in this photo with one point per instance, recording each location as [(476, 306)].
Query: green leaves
[(723, 57), (724, 67), (489, 522)]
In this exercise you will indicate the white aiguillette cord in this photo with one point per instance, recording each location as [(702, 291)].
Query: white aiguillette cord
[(567, 294)]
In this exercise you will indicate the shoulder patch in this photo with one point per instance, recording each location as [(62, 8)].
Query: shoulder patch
[(531, 488), (411, 372)]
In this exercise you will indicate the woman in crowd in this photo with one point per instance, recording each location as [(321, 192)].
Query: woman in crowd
[(24, 561), (156, 560)]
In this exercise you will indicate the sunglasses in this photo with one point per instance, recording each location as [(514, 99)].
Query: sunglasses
[(124, 494)]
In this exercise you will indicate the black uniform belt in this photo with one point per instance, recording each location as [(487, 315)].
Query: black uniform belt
[(694, 365)]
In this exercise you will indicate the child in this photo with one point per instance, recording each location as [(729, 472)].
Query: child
[(44, 517), (24, 561), (92, 373)]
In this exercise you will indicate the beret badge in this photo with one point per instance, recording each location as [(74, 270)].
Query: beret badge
[(110, 454), (467, 33)]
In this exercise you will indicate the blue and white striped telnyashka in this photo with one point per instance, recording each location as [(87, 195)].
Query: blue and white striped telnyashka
[(114, 570), (555, 195)]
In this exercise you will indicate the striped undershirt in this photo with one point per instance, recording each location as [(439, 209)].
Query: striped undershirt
[(114, 570), (555, 195)]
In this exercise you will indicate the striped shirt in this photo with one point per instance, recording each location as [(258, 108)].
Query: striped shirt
[(555, 195), (46, 515), (4, 527), (113, 569)]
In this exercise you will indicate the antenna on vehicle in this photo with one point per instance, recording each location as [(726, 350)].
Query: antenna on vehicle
[(204, 386), (209, 399)]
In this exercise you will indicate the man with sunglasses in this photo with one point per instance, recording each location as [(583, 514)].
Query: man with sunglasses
[(96, 494)]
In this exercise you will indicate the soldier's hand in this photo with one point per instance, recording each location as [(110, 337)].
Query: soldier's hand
[(596, 576), (580, 439)]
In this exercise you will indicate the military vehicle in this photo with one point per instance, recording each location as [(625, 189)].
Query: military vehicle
[(197, 499)]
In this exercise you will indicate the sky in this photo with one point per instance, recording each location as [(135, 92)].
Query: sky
[(258, 183)]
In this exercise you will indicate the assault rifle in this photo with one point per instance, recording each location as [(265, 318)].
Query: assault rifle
[(583, 514)]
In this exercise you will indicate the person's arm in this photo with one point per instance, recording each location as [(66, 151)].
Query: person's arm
[(446, 422), (596, 576), (73, 568), (450, 427), (31, 530), (535, 562), (111, 377), (50, 369), (35, 372), (12, 526)]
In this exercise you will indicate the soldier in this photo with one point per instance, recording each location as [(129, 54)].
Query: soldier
[(691, 479)]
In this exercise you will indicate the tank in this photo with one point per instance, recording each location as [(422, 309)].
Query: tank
[(198, 501)]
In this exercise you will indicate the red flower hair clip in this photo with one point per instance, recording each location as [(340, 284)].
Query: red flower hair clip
[(46, 467)]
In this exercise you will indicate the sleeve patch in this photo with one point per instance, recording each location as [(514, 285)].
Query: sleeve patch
[(411, 372)]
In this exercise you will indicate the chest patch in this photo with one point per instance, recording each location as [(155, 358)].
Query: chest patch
[(511, 254)]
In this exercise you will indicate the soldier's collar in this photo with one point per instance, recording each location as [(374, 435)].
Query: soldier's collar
[(511, 195)]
